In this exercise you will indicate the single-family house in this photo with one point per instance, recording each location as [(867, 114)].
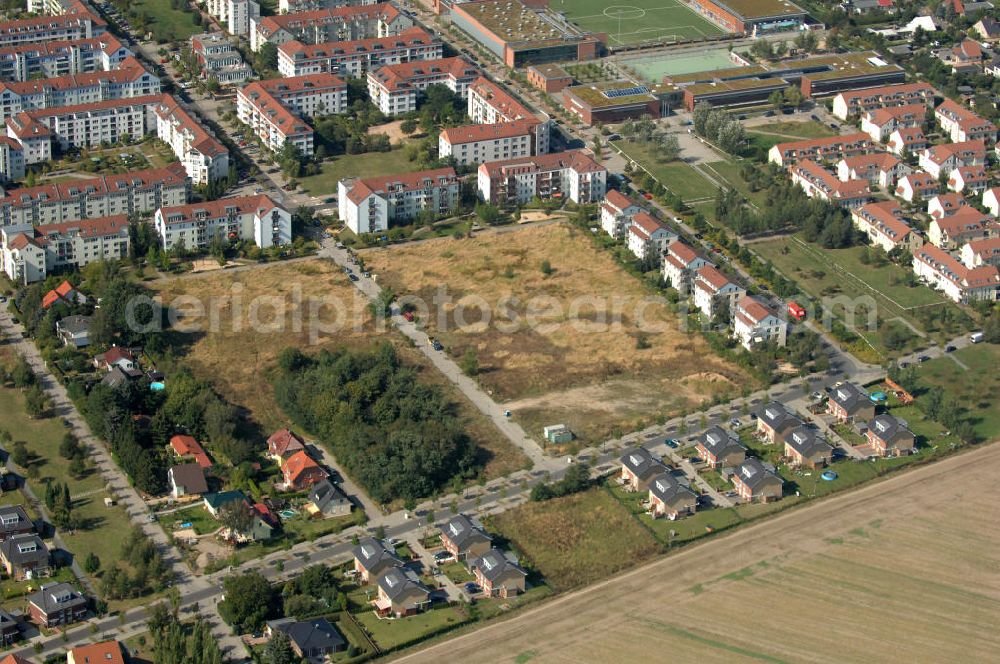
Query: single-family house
[(116, 356), (186, 447), (617, 211), (679, 265), (283, 443), (671, 499), (372, 558), (464, 539), (497, 575), (755, 482), (720, 447), (639, 467), (400, 593), (315, 640), (300, 471), (74, 331), (945, 205), (848, 402), (326, 499), (774, 422), (917, 186), (14, 521), (118, 376), (187, 479), (969, 180), (105, 652), (965, 58), (804, 448), (988, 29), (10, 631), (214, 502), (64, 292), (648, 237), (25, 556), (56, 604), (889, 436)]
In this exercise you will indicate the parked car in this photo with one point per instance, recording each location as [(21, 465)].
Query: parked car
[(437, 345), (442, 555), (949, 349), (673, 443), (735, 423), (923, 358)]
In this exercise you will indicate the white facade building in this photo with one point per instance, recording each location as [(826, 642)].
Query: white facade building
[(204, 158), (679, 266), (326, 25), (30, 253), (617, 211), (648, 237), (395, 89), (273, 108), (755, 323), (573, 175), (714, 291), (250, 218), (371, 204), (39, 60), (354, 58)]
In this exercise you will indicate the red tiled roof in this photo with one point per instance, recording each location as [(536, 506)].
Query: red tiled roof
[(752, 310), (261, 204), (884, 161), (890, 90), (711, 275), (575, 159), (397, 77), (268, 25), (188, 446), (289, 85), (282, 440), (410, 37), (201, 140), (886, 218), (944, 264), (967, 219), (814, 143), (116, 354), (173, 174), (60, 292), (408, 181), (129, 70), (147, 100), (618, 200), (510, 108), (473, 133), (106, 43), (646, 223), (106, 652), (683, 252), (295, 465)]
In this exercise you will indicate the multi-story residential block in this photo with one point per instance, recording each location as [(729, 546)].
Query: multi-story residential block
[(129, 81), (68, 244), (273, 108), (906, 141), (354, 58), (880, 168), (917, 185), (205, 159), (249, 218), (881, 122), (945, 205), (961, 124), (42, 130), (369, 205), (960, 283), (829, 149), (968, 180), (856, 102), (394, 89), (573, 175), (219, 59), (647, 237), (617, 211), (325, 25), (885, 227), (491, 104), (943, 159), (475, 144), (714, 292), (965, 225), (138, 192), (755, 323), (40, 60), (293, 6), (817, 182), (981, 252), (679, 266), (11, 159), (80, 24), (235, 15)]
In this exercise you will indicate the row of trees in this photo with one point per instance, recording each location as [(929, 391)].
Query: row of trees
[(716, 125), (177, 643), (139, 570)]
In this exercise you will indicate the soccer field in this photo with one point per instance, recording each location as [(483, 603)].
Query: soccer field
[(635, 21)]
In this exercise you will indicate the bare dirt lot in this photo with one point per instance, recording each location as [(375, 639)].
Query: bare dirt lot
[(572, 338), (238, 356), (904, 570)]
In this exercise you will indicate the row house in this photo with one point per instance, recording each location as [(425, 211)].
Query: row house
[(71, 244), (803, 448), (969, 180), (991, 200), (755, 323), (945, 205), (679, 266), (648, 237), (572, 175), (128, 81), (356, 57), (714, 292), (831, 149), (903, 142), (394, 89), (917, 186), (755, 482), (274, 108), (236, 16), (881, 168), (966, 225), (960, 283), (249, 218), (220, 59), (943, 159), (488, 103), (885, 226), (961, 124), (775, 422), (817, 182), (205, 159), (56, 604), (326, 25), (479, 143), (880, 123), (137, 192), (49, 59), (11, 159), (617, 211), (369, 205), (889, 436), (981, 252), (671, 499), (68, 27), (853, 103), (850, 403), (42, 131), (720, 448), (639, 467)]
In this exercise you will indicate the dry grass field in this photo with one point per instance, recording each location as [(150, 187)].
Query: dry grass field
[(576, 355), (904, 570), (237, 356)]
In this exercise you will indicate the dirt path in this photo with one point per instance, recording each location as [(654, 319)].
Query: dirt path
[(903, 570)]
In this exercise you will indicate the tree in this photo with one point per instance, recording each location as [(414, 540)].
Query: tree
[(267, 58), (776, 99), (35, 402), (91, 563), (470, 361), (19, 455), (669, 147), (250, 600), (546, 267), (70, 446), (237, 516), (22, 375), (279, 650), (408, 126)]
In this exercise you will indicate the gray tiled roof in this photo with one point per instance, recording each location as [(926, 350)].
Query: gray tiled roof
[(373, 555), (24, 548), (312, 635), (776, 416), (56, 597), (325, 495), (753, 473), (719, 441), (462, 532), (889, 428), (493, 564), (398, 581), (805, 441), (667, 488), (850, 397), (641, 463)]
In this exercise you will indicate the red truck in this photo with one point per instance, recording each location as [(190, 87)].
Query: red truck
[(796, 311)]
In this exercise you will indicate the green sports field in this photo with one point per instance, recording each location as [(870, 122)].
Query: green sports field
[(635, 21)]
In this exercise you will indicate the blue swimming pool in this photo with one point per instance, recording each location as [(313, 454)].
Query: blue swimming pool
[(157, 386)]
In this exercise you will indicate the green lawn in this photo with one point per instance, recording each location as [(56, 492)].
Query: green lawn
[(811, 129), (199, 518), (676, 176), (729, 170), (165, 22), (977, 389), (365, 165), (392, 634), (457, 572)]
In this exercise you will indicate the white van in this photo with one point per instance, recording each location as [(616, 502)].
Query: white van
[(976, 337)]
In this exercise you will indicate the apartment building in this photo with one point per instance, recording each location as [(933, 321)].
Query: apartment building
[(43, 130), (965, 225), (394, 89), (219, 59), (647, 237), (881, 168), (917, 185), (817, 182), (943, 159), (617, 211), (679, 266), (235, 15), (906, 141), (881, 122), (11, 159), (40, 60), (491, 104), (30, 253), (960, 283), (475, 144), (205, 159), (249, 218), (67, 27), (369, 205), (293, 6), (573, 175), (355, 57), (326, 25), (855, 102), (274, 108), (969, 180), (755, 323), (714, 292), (961, 124), (981, 252), (885, 226), (129, 81), (138, 192), (829, 149)]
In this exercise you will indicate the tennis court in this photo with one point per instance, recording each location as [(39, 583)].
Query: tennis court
[(654, 67), (637, 21)]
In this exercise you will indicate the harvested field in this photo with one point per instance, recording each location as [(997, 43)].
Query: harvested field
[(561, 345), (903, 570), (238, 358)]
